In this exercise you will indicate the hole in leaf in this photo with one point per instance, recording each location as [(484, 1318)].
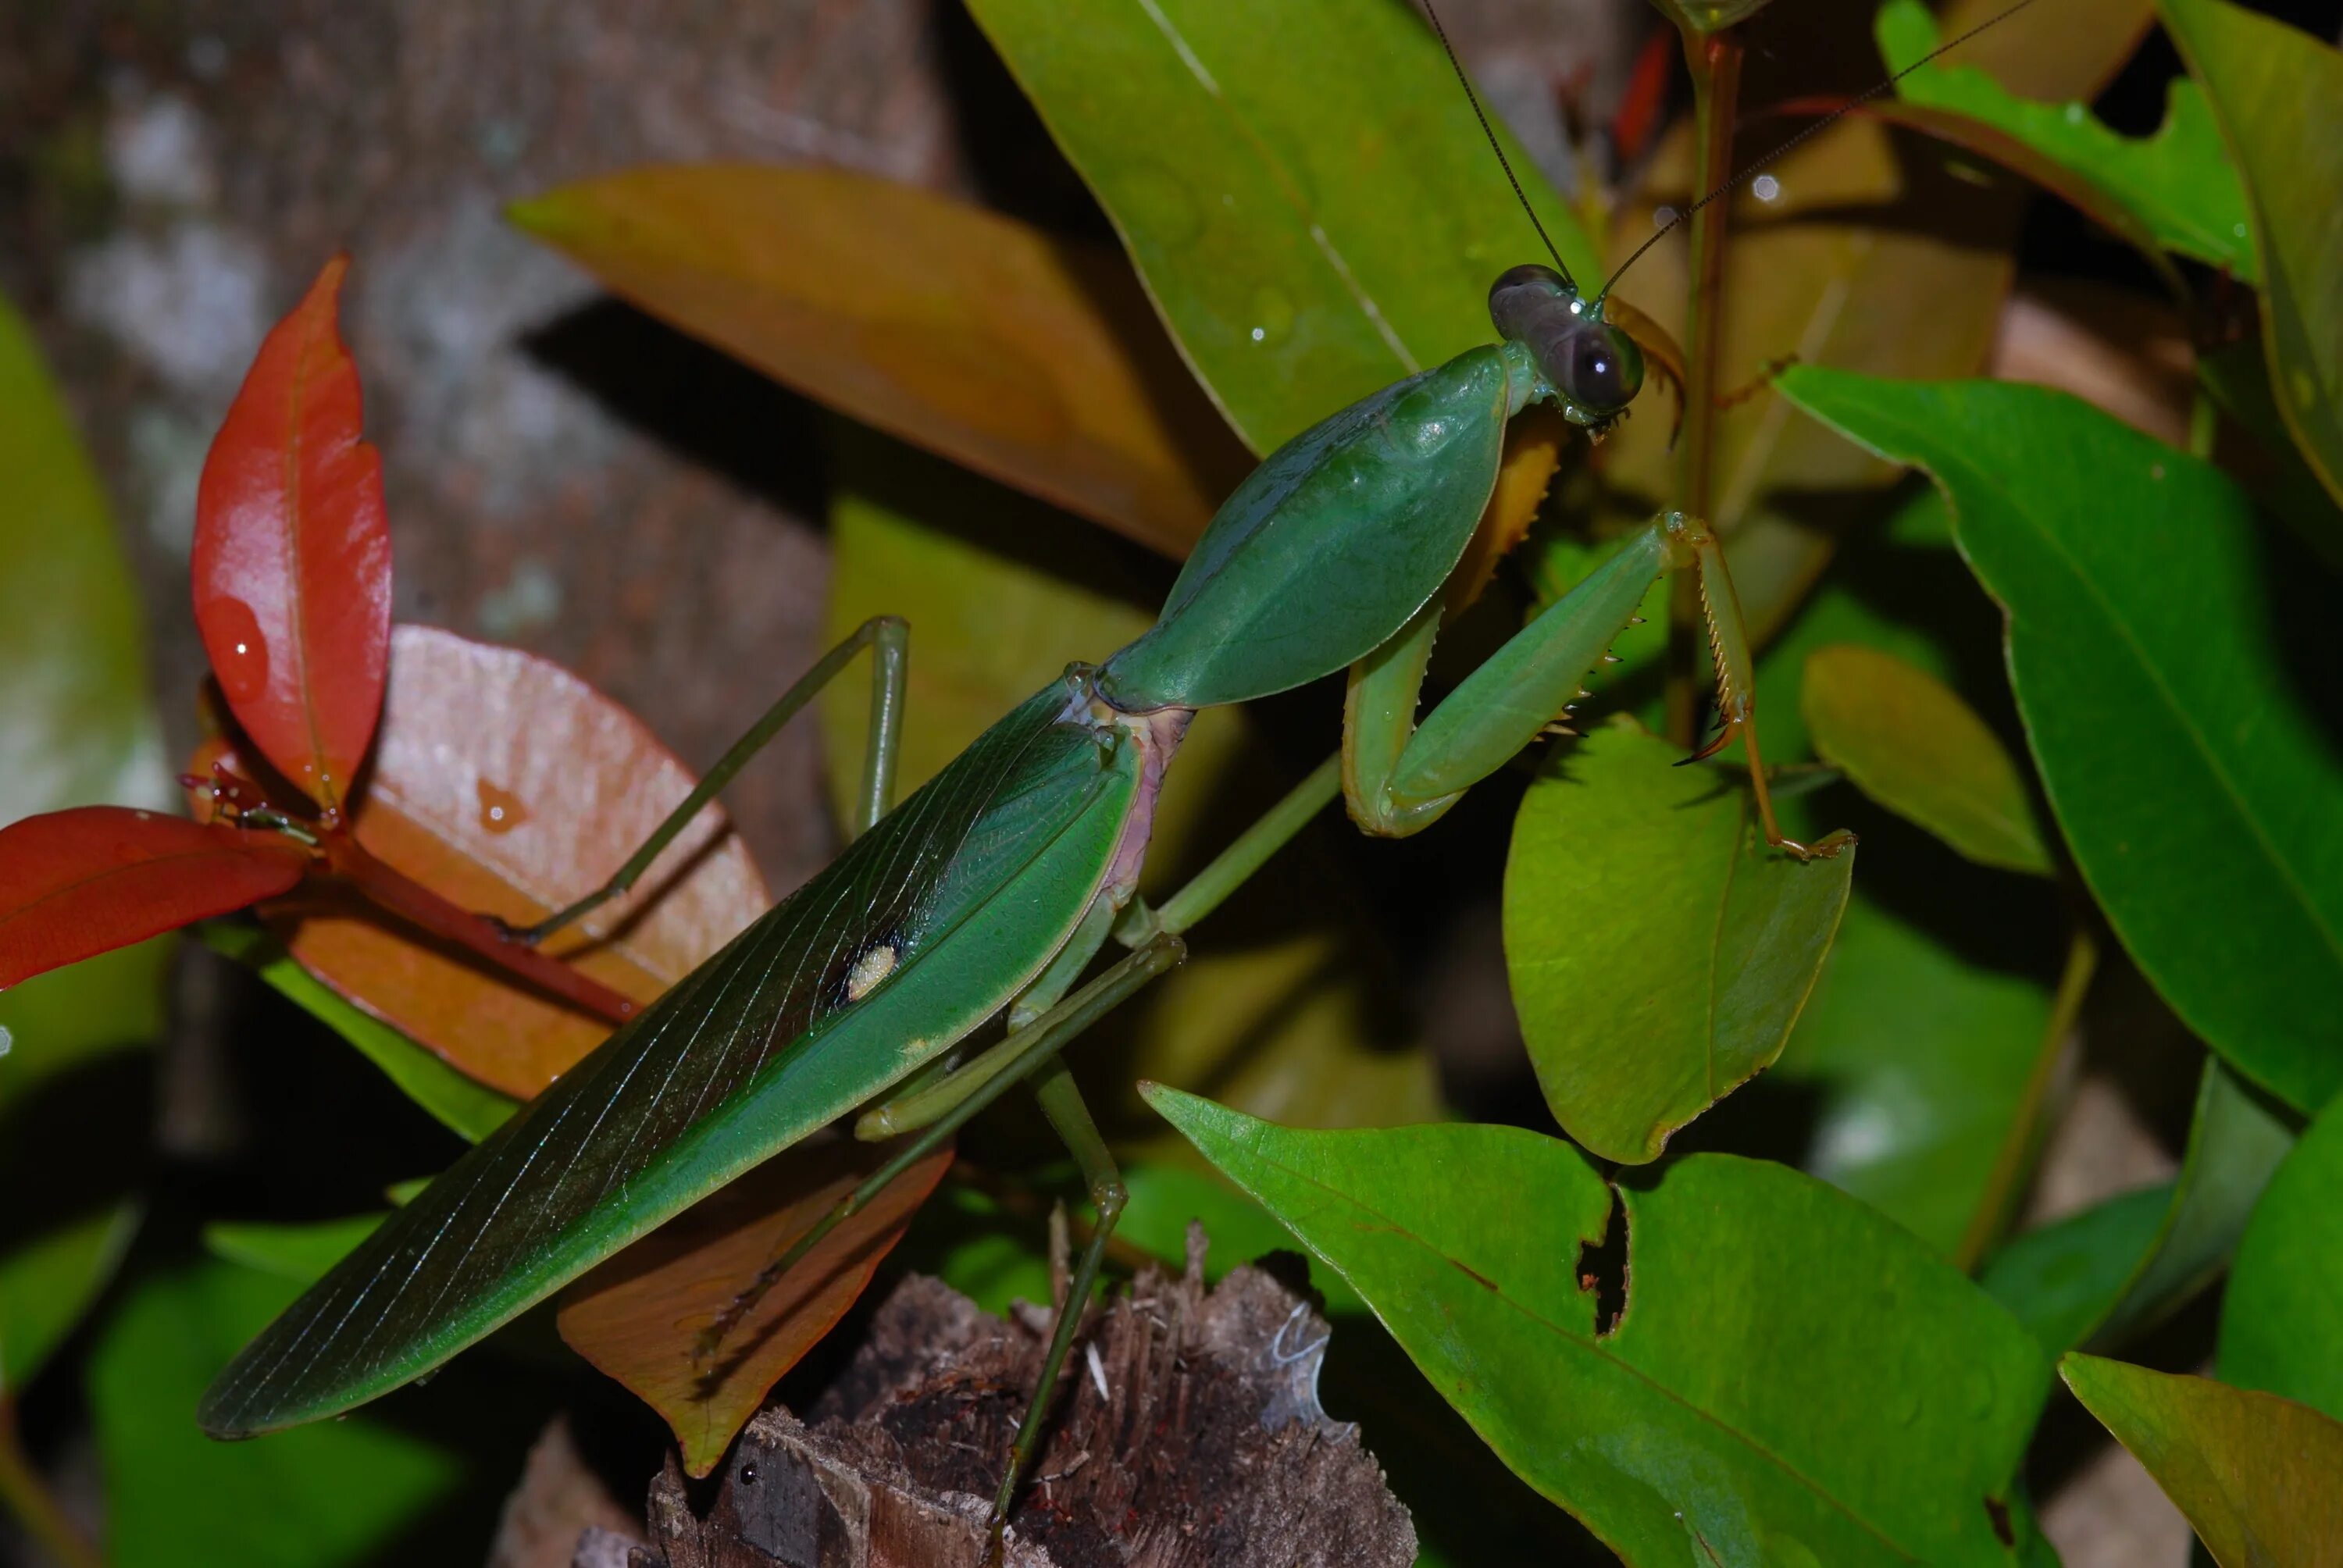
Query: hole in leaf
[(1997, 1511), (1603, 1269)]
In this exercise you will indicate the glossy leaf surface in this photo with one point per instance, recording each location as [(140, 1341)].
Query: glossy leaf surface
[(637, 1316), (2162, 720), (1759, 1399), (1030, 358), (1910, 743), (1310, 236), (1923, 1055), (763, 1045), (2102, 1276), (336, 1495), (2278, 93), (2179, 183), (2279, 1331), (47, 1280), (509, 786), (466, 1106), (76, 728), (2255, 1473), (1643, 1010), (93, 878), (292, 554)]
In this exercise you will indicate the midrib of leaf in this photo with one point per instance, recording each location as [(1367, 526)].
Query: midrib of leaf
[(1335, 262), (1594, 1347), (294, 447), (96, 878), (2179, 712)]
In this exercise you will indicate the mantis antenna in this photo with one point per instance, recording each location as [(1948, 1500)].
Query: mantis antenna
[(1823, 124), (1491, 132)]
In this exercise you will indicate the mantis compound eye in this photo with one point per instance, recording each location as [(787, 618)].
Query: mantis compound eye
[(1598, 367)]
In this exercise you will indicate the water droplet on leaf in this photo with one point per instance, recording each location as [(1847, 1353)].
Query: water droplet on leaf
[(239, 653), (500, 809)]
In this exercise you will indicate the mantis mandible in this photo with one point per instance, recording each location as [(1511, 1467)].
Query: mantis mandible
[(993, 888)]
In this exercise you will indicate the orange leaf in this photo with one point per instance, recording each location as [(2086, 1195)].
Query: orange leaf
[(292, 553), (84, 882), (509, 786), (1032, 359), (639, 1316)]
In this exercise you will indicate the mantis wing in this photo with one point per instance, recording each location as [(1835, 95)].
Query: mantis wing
[(974, 883)]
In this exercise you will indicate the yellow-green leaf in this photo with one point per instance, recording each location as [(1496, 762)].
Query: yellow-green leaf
[(1909, 742), (2255, 1473), (1028, 357)]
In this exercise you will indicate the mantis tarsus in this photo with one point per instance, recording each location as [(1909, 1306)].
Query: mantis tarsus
[(991, 890)]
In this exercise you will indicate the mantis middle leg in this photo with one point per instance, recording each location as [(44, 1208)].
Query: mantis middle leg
[(888, 639)]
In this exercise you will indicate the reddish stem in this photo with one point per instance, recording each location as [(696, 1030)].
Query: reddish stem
[(402, 895)]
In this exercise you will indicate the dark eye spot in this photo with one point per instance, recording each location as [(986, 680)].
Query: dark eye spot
[(1595, 371)]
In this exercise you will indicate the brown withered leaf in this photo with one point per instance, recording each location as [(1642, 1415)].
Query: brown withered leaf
[(1032, 359), (509, 786), (639, 1316)]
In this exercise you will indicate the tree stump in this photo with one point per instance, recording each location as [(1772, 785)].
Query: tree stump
[(1187, 1431)]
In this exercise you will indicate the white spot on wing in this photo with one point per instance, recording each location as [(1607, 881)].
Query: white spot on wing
[(875, 964)]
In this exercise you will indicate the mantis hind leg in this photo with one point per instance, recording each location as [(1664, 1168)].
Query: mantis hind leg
[(888, 639), (1024, 1053)]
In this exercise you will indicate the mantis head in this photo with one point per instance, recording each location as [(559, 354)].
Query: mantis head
[(1595, 368)]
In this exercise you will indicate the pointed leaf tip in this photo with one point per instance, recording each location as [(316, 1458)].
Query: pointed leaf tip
[(292, 553)]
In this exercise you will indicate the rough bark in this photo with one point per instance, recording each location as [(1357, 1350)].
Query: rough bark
[(1187, 1432)]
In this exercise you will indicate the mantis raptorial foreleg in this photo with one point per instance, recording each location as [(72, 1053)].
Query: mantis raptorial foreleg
[(1400, 777), (888, 639)]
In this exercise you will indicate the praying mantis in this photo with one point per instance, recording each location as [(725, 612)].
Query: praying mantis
[(991, 892)]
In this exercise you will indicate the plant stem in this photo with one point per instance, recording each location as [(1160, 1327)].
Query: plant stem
[(2013, 1165), (24, 1494), (402, 895), (1715, 59)]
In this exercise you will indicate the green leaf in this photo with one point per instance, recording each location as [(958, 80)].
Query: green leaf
[(1659, 951), (1794, 1379), (2255, 1473), (1310, 203), (2116, 1270), (2279, 1328), (48, 1282), (1165, 1197), (2162, 692), (2179, 183), (299, 1252), (470, 1108), (2278, 93), (2062, 1279), (76, 725), (1925, 1054), (336, 1494), (1909, 742)]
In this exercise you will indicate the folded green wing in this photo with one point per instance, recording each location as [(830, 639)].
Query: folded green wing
[(756, 1048)]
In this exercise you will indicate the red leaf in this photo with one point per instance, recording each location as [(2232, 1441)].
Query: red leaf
[(292, 554), (74, 884)]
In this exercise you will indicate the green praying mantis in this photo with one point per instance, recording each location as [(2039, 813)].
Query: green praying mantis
[(990, 893)]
